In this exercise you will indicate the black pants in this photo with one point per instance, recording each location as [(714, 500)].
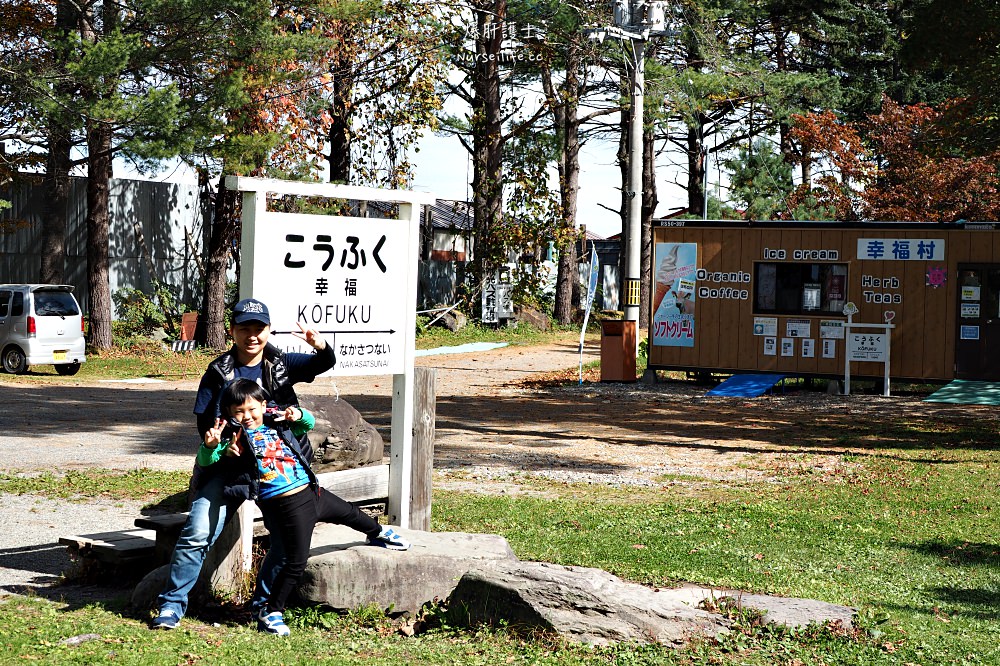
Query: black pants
[(294, 517)]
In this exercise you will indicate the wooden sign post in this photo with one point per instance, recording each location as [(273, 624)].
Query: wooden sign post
[(352, 278), (872, 345)]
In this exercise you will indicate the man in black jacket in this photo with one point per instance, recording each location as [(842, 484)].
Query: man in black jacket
[(250, 357)]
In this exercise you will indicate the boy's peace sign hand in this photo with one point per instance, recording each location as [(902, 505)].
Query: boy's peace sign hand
[(233, 449), (311, 336), (213, 436)]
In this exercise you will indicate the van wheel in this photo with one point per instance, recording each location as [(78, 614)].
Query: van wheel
[(67, 369), (14, 361)]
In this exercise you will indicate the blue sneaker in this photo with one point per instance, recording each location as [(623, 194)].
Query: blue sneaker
[(389, 538), (272, 623), (167, 619)]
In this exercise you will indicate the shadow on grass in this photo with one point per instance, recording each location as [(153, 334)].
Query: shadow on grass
[(977, 604), (551, 422), (960, 553)]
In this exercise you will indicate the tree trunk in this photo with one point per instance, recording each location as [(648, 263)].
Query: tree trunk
[(649, 201), (56, 184), (488, 139), (565, 111), (695, 139), (54, 217), (625, 125), (100, 134), (340, 128), (696, 169), (99, 170), (211, 329), (567, 274)]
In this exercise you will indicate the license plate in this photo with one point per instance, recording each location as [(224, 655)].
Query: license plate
[(59, 356)]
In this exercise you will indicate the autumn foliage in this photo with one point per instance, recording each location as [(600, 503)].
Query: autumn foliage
[(896, 165)]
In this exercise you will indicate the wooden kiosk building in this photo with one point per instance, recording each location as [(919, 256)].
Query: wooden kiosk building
[(770, 297)]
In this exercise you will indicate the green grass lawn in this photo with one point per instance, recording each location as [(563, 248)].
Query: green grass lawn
[(905, 537)]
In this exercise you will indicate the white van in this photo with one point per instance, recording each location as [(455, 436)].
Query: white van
[(41, 324)]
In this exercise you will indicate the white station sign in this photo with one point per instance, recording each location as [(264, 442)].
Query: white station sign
[(345, 277)]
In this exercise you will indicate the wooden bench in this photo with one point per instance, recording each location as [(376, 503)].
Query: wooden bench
[(166, 529), (154, 541), (114, 548)]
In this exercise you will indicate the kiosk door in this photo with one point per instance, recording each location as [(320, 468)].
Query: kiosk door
[(977, 345)]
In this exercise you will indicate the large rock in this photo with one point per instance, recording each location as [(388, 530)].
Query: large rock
[(534, 317), (344, 572), (577, 603), (453, 320), (342, 439), (144, 594), (593, 606)]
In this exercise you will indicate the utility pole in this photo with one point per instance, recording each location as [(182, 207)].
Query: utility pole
[(635, 21)]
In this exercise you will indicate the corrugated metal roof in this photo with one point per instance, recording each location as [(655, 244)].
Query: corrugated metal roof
[(445, 213), (451, 214)]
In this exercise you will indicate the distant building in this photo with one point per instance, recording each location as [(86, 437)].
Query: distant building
[(447, 231)]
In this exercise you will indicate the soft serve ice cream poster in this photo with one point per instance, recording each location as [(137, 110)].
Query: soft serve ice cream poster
[(674, 275)]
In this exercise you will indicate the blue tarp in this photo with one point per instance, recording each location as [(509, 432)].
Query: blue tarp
[(746, 386)]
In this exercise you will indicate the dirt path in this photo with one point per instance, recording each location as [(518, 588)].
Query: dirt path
[(148, 423), (498, 414)]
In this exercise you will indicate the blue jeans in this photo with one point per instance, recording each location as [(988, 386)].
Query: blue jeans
[(270, 567), (210, 512)]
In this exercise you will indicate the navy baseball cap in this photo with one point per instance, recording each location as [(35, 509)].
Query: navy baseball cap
[(250, 309)]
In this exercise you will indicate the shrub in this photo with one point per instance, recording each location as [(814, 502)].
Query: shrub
[(139, 313)]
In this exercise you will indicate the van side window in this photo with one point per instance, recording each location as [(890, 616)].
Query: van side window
[(17, 306), (4, 303)]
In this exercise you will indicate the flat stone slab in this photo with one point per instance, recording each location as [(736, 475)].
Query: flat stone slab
[(484, 582), (344, 572), (593, 606)]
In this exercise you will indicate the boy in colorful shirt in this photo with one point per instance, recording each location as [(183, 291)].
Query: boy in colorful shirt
[(262, 451)]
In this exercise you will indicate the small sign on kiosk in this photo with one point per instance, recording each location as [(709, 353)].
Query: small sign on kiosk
[(870, 345)]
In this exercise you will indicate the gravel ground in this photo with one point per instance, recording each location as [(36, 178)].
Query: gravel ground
[(31, 558)]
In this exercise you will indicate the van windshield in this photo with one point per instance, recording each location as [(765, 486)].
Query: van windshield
[(55, 304)]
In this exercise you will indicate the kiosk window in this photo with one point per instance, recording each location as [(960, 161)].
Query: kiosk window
[(800, 289)]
